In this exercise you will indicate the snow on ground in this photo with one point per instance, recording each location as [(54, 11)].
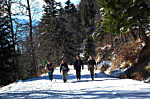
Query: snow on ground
[(103, 87)]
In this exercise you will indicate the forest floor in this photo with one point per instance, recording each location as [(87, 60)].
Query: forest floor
[(103, 87)]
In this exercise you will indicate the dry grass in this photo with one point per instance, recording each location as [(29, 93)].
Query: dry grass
[(148, 67), (138, 76), (104, 68), (134, 54), (128, 54), (1, 86)]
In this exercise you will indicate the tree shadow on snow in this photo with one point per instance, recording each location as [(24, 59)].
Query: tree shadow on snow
[(76, 94), (85, 81), (44, 78), (71, 77), (55, 76)]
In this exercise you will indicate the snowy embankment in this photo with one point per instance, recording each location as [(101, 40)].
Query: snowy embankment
[(103, 87)]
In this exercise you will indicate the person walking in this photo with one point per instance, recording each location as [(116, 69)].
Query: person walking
[(64, 69), (50, 68), (77, 66), (91, 66)]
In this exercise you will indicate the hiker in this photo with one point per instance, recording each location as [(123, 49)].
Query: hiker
[(77, 66), (50, 68), (64, 69), (91, 66)]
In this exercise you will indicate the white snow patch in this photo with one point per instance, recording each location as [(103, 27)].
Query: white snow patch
[(103, 87)]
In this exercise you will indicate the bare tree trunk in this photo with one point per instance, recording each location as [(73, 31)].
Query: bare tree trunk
[(13, 38), (33, 62), (12, 29)]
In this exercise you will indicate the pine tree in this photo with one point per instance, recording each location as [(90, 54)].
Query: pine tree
[(121, 16), (7, 52), (72, 32), (61, 34), (51, 7), (70, 8), (48, 36), (88, 10), (89, 47)]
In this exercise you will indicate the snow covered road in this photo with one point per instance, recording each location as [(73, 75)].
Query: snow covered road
[(103, 87)]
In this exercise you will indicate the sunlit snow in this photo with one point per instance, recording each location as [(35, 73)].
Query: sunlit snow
[(103, 87)]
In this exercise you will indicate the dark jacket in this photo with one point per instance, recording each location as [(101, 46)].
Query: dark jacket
[(50, 67), (64, 67), (78, 64), (91, 63)]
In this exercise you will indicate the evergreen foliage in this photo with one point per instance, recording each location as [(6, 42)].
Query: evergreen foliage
[(119, 16), (123, 20), (7, 52), (61, 35), (88, 10), (89, 47)]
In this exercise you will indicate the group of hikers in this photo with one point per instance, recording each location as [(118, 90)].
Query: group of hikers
[(78, 65)]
